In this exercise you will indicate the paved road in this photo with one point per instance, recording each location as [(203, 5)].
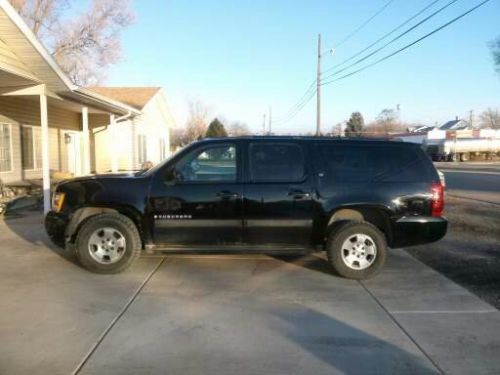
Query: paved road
[(479, 181), (233, 314)]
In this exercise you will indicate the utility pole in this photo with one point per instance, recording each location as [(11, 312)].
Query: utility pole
[(264, 125), (471, 117), (270, 119), (318, 90)]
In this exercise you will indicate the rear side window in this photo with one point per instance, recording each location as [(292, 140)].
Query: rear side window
[(369, 163), (273, 162)]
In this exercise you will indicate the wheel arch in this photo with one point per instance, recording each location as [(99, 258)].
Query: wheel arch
[(84, 213), (376, 215)]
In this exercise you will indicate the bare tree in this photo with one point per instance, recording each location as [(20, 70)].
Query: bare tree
[(387, 122), (490, 118), (196, 125), (84, 45), (237, 129)]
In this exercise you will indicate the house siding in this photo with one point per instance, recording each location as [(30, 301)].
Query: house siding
[(25, 111), (154, 123), (105, 143)]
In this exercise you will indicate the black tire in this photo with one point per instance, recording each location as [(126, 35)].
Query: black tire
[(342, 233), (464, 157), (120, 223)]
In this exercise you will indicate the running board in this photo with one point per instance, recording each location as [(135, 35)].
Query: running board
[(224, 249)]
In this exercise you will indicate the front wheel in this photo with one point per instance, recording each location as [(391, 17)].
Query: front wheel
[(107, 243), (357, 250)]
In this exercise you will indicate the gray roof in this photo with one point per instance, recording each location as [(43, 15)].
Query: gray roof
[(455, 125)]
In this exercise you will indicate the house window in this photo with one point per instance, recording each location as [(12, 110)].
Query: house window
[(5, 148), (31, 147), (141, 145)]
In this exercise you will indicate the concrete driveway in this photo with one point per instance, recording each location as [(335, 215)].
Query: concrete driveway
[(245, 314)]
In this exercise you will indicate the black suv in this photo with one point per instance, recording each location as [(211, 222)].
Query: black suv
[(351, 198)]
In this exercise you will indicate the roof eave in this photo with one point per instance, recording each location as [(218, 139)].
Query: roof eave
[(104, 100)]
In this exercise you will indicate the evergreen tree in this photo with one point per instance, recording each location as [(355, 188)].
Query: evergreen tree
[(216, 129), (355, 125)]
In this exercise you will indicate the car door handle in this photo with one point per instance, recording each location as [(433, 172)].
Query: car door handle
[(227, 195), (299, 194)]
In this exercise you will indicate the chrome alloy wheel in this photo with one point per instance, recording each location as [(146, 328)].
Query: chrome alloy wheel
[(359, 251), (107, 245)]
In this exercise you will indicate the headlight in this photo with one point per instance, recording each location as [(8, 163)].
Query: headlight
[(57, 201)]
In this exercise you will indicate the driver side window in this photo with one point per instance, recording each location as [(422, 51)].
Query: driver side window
[(211, 164)]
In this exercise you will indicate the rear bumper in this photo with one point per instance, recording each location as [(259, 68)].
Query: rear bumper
[(417, 230), (55, 226)]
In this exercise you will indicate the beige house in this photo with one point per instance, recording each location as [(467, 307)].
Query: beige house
[(48, 125), (142, 138)]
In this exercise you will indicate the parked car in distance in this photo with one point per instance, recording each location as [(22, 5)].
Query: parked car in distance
[(350, 198)]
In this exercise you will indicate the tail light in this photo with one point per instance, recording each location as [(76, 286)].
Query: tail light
[(437, 204)]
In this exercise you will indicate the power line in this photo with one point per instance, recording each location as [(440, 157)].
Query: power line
[(384, 36), (360, 27), (407, 31), (408, 45), (311, 90), (298, 109), (302, 98)]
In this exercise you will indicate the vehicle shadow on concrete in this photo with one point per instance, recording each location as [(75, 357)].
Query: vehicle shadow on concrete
[(312, 261), (28, 225)]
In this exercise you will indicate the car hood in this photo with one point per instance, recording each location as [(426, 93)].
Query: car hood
[(103, 176)]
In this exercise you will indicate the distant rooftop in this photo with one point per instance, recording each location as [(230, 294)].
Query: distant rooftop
[(455, 125), (136, 97)]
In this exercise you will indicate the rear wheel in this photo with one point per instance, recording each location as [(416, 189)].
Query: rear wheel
[(357, 250), (108, 243), (464, 156)]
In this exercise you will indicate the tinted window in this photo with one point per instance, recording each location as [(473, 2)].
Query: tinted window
[(371, 163), (212, 164), (276, 162)]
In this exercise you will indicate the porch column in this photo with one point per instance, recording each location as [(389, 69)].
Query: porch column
[(114, 153), (45, 151), (86, 140)]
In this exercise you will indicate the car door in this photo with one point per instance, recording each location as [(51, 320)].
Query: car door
[(278, 205), (197, 199)]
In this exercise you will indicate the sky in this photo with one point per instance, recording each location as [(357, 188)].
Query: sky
[(239, 58)]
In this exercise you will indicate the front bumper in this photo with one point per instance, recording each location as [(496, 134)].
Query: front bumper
[(55, 226), (418, 230)]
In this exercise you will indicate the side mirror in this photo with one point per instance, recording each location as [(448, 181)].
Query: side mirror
[(171, 176)]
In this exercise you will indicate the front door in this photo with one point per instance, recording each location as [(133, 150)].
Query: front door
[(278, 205), (197, 201), (72, 141)]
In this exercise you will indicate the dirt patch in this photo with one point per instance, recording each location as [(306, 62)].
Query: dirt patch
[(474, 217)]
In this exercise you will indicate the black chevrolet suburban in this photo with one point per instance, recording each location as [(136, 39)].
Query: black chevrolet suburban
[(351, 198)]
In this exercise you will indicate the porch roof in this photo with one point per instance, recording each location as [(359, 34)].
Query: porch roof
[(25, 62)]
